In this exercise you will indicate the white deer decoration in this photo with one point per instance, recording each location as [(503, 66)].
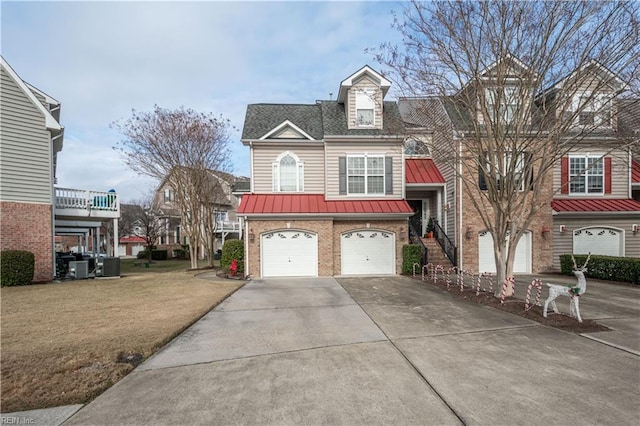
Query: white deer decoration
[(572, 291)]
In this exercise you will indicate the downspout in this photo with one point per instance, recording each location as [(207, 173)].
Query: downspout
[(52, 165), (460, 210), (246, 247)]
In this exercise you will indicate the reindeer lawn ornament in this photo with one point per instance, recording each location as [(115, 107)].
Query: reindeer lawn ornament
[(574, 292)]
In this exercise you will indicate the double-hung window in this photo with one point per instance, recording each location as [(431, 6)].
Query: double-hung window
[(512, 171), (595, 109), (288, 173), (586, 175), (365, 107), (365, 174), (502, 104)]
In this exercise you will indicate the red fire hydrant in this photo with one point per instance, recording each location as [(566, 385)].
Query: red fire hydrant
[(233, 269)]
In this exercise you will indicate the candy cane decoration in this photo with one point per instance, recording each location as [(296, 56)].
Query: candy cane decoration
[(508, 281), (441, 269), (449, 276), (478, 285), (461, 279), (537, 283), (423, 269), (414, 269)]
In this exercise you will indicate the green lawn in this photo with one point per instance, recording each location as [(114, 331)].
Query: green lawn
[(128, 266)]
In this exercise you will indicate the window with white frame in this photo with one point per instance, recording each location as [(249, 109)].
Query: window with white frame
[(167, 194), (586, 174), (365, 174), (595, 109), (416, 148), (365, 107), (514, 166), (288, 173), (502, 103)]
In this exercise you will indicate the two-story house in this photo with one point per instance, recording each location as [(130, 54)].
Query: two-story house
[(327, 184), (32, 210), (226, 192)]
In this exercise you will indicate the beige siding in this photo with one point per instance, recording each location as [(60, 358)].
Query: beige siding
[(311, 156), (563, 241), (333, 151), (619, 172), (25, 147), (365, 83)]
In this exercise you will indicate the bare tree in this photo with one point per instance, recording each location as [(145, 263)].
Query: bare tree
[(182, 146), (507, 76), (143, 215)]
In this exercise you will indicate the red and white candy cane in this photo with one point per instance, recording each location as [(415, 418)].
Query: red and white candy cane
[(537, 283), (439, 268), (461, 273), (426, 267), (509, 281), (414, 269), (478, 284), (449, 276)]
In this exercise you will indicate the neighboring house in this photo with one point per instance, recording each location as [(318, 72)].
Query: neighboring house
[(32, 211), (131, 245), (226, 199), (591, 211), (337, 186), (327, 191)]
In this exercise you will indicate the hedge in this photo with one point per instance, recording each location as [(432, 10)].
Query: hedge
[(411, 253), (17, 267), (233, 249), (626, 269), (155, 254)]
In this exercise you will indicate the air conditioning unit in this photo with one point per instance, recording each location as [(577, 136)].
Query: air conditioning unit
[(79, 269), (108, 267)]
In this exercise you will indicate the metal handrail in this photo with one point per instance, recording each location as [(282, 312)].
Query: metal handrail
[(450, 250)]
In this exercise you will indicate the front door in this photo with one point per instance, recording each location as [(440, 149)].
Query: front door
[(416, 220)]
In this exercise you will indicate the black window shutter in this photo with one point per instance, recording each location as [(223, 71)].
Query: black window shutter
[(342, 175), (388, 175), (482, 184), (528, 164)]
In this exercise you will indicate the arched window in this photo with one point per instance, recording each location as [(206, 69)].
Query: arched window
[(288, 173)]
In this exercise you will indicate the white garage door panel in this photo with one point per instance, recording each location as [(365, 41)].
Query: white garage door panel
[(602, 241), (368, 253), (289, 254), (486, 254)]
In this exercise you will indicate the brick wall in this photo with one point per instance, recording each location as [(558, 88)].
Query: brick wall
[(28, 226)]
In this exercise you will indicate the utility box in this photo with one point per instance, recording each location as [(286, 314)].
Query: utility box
[(79, 269), (110, 267)]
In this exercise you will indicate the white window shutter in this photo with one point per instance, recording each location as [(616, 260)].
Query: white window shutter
[(276, 177), (300, 176)]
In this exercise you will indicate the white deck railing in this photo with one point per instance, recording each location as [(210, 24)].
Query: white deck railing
[(80, 199), (227, 226)]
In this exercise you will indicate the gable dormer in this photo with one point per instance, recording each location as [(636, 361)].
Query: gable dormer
[(504, 91), (362, 94)]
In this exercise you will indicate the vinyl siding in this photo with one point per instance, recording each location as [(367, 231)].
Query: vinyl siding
[(25, 147), (364, 84), (311, 156), (619, 173), (333, 151), (563, 242)]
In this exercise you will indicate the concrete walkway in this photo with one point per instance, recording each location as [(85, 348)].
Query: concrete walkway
[(373, 351)]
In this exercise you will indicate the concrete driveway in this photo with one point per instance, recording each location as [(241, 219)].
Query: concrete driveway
[(370, 351)]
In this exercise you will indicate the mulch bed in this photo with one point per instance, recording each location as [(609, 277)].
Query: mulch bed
[(516, 307)]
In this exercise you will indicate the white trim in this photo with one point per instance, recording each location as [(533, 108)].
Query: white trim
[(275, 167), (366, 175), (284, 124), (50, 122), (48, 99), (348, 82)]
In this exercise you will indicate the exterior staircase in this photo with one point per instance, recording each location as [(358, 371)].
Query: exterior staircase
[(435, 254)]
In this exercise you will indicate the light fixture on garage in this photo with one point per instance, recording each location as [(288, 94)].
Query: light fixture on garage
[(469, 233), (563, 228), (252, 236), (545, 231), (634, 229)]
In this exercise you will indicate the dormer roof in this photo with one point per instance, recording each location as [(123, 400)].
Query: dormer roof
[(595, 67), (347, 83)]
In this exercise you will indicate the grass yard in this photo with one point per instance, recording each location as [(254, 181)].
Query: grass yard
[(137, 266), (65, 343)]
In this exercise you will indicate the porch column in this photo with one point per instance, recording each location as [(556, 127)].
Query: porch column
[(116, 240)]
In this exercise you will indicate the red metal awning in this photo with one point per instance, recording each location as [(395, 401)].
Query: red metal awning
[(422, 171), (595, 205), (635, 172), (316, 204), (132, 239)]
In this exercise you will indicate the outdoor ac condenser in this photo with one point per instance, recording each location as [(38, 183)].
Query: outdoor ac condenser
[(111, 267), (79, 269)]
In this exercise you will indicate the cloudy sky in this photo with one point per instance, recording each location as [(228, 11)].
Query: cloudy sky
[(103, 59)]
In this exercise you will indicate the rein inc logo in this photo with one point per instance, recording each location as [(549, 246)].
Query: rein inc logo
[(16, 420)]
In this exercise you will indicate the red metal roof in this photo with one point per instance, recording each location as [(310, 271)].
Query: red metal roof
[(132, 239), (596, 205), (422, 170), (635, 172), (316, 203)]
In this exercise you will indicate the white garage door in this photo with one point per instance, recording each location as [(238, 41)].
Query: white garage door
[(603, 241), (368, 252), (289, 254), (486, 258)]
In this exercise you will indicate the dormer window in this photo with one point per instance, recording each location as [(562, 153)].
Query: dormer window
[(502, 104), (288, 173), (365, 107), (596, 109)]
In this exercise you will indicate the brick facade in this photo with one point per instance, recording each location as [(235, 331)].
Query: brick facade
[(28, 226), (329, 231)]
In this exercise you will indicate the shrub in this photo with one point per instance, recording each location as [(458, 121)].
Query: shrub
[(233, 249), (16, 267), (159, 254), (142, 254), (411, 253), (626, 269)]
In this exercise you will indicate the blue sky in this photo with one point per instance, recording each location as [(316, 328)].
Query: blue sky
[(101, 59)]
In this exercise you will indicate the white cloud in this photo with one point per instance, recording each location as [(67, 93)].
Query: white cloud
[(101, 59)]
